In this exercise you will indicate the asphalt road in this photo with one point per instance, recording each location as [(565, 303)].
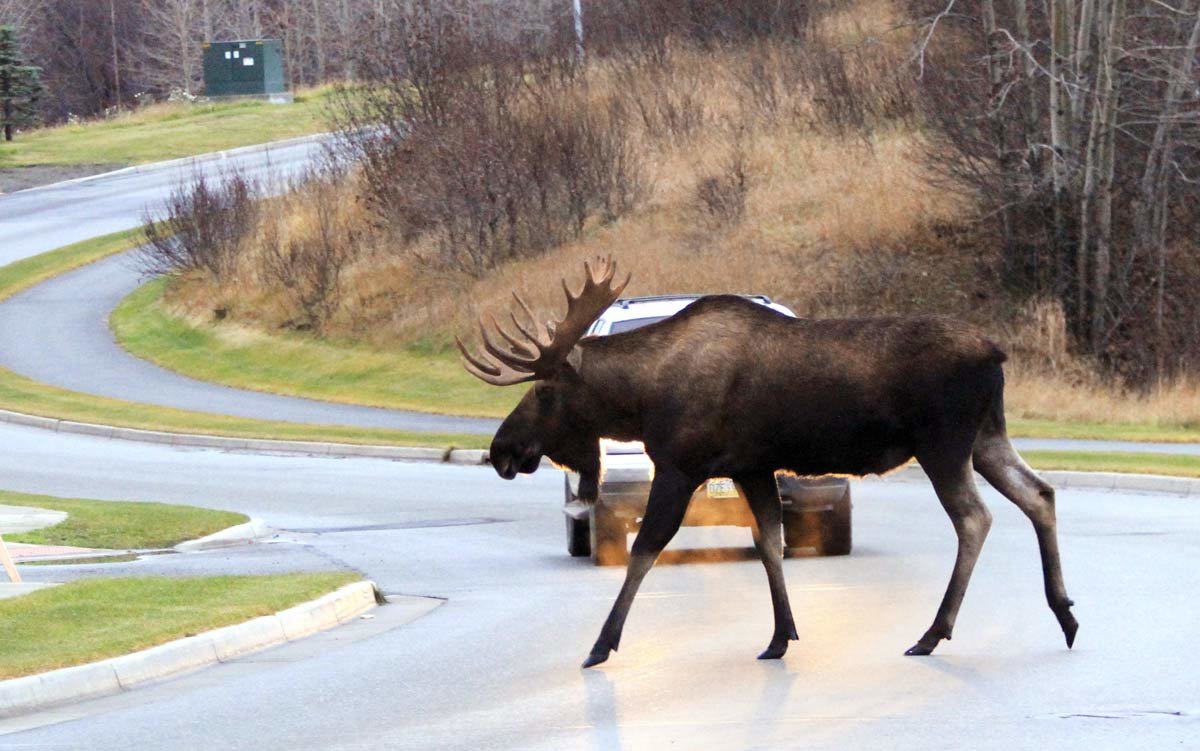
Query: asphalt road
[(496, 666), (40, 219), (57, 333)]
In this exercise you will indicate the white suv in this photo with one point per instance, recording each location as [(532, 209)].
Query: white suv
[(816, 512)]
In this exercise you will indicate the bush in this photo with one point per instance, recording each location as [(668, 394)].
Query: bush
[(487, 150), (308, 266), (200, 226), (722, 195)]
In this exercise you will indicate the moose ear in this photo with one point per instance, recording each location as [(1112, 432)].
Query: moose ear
[(575, 359)]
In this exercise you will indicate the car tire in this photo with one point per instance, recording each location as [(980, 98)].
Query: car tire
[(607, 537), (579, 537)]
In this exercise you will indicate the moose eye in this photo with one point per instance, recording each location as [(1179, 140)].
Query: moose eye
[(545, 394)]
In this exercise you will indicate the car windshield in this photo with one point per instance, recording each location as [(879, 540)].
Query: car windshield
[(634, 323)]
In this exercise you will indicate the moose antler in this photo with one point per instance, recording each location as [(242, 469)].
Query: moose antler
[(538, 349)]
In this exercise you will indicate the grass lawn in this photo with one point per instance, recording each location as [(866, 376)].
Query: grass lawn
[(168, 131), (21, 394), (1086, 461), (94, 619), (302, 366), (119, 524)]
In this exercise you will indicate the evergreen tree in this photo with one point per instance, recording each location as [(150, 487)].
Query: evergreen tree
[(20, 86)]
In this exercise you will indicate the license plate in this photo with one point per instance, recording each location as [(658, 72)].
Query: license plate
[(722, 487)]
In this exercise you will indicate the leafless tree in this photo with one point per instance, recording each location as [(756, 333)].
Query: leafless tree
[(1093, 197)]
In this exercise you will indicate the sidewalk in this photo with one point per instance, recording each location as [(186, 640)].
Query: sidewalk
[(16, 519)]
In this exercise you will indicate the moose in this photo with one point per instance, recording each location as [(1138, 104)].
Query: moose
[(729, 388)]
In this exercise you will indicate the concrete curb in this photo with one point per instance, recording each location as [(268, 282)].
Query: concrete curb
[(239, 534), (254, 445), (184, 161), (36, 692), (1183, 487)]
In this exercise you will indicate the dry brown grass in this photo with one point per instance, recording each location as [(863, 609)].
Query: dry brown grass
[(834, 223), (1046, 382), (1049, 396), (818, 205)]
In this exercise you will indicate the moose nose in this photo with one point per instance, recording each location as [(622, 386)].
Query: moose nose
[(504, 466), (503, 462)]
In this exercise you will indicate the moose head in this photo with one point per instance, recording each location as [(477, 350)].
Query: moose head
[(556, 418)]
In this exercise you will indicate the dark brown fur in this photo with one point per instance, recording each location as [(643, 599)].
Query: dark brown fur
[(729, 388)]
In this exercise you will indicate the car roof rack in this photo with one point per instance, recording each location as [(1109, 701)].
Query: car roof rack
[(625, 302)]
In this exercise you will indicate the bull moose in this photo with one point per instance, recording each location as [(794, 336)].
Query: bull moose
[(729, 388)]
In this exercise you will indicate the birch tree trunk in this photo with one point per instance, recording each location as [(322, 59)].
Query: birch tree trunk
[(1060, 53), (1032, 119), (1109, 84)]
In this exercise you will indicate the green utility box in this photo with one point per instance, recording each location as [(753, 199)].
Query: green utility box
[(249, 68)]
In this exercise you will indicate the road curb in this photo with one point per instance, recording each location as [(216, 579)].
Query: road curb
[(239, 534), (36, 692), (1183, 487), (254, 445), (184, 161)]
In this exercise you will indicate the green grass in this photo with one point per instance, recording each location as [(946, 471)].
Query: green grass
[(1099, 431), (1087, 461), (21, 394), (168, 131), (119, 525), (298, 365), (95, 619)]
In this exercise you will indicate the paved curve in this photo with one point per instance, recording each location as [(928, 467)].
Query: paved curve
[(57, 333), (497, 665), (40, 219)]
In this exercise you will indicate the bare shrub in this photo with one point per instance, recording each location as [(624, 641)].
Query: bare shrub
[(667, 96), (307, 266), (200, 226), (487, 151), (842, 89), (722, 194), (618, 26)]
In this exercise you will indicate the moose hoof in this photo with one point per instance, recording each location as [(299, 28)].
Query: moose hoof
[(774, 652), (595, 658), (1069, 625), (919, 650)]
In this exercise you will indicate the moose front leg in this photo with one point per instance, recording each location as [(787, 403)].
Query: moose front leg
[(669, 496), (763, 496)]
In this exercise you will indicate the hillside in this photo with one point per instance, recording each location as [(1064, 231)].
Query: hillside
[(802, 169)]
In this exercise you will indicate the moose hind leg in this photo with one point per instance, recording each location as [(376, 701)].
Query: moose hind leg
[(763, 495), (1004, 469), (669, 496), (956, 490)]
